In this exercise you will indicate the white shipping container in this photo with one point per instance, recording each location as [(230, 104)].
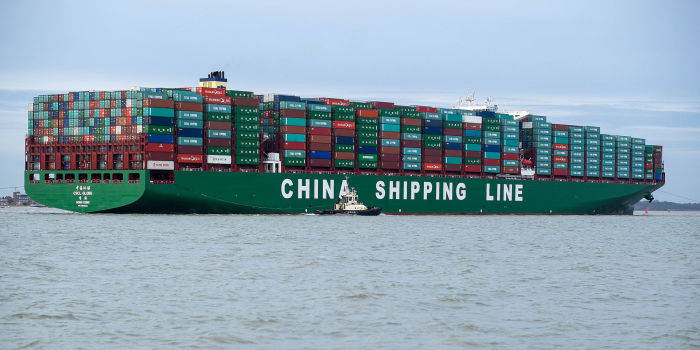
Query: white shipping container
[(139, 129), (118, 130), (527, 125), (160, 165), (214, 159), (471, 119)]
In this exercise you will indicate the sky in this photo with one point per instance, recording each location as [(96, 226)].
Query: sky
[(630, 67)]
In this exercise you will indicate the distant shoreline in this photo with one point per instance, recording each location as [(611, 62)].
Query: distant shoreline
[(665, 206)]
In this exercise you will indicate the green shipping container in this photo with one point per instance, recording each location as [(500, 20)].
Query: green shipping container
[(294, 161), (344, 163), (367, 157), (219, 151), (160, 130)]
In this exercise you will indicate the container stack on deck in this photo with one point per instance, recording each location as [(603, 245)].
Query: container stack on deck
[(367, 132), (411, 139), (592, 144), (622, 145), (176, 128), (389, 136), (160, 152), (217, 129), (432, 142), (452, 140), (510, 145), (560, 150), (607, 156), (473, 142), (246, 128), (343, 135), (189, 119), (292, 123), (577, 151), (657, 162), (319, 128), (536, 135), (637, 158), (491, 131)]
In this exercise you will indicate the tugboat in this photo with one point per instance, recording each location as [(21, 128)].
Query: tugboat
[(348, 204)]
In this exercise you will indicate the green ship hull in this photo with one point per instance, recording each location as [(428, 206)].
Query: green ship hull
[(289, 193)]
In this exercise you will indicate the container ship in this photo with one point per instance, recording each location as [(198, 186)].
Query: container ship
[(208, 149)]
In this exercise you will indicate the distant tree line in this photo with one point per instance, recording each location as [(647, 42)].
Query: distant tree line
[(661, 205)]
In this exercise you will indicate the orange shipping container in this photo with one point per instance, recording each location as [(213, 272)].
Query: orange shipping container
[(339, 124), (320, 139), (367, 113), (432, 166), (344, 155), (189, 158)]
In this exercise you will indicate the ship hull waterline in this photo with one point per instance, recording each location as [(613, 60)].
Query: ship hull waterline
[(291, 193)]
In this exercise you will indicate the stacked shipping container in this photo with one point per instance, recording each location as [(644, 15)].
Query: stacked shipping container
[(180, 126)]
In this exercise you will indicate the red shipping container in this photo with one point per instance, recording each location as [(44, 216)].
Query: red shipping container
[(425, 109), (292, 129), (452, 132), (560, 146), (157, 103), (510, 170), (246, 102), (388, 157), (320, 147), (319, 131), (432, 152), (344, 132), (411, 121), (560, 159), (218, 142), (189, 106), (390, 135), (560, 127), (189, 158), (190, 149), (319, 163), (472, 126), (217, 100), (160, 156), (411, 143), (432, 159), (453, 153), (472, 154), (649, 166), (390, 149), (492, 162), (432, 166), (104, 112), (510, 156), (472, 168), (367, 113), (268, 114), (301, 146), (160, 147), (334, 101), (320, 139), (292, 113), (390, 165), (382, 105), (218, 125), (453, 167), (560, 172), (339, 124), (205, 91), (344, 155)]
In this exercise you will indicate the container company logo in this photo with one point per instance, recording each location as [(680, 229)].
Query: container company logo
[(406, 190), (82, 194)]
